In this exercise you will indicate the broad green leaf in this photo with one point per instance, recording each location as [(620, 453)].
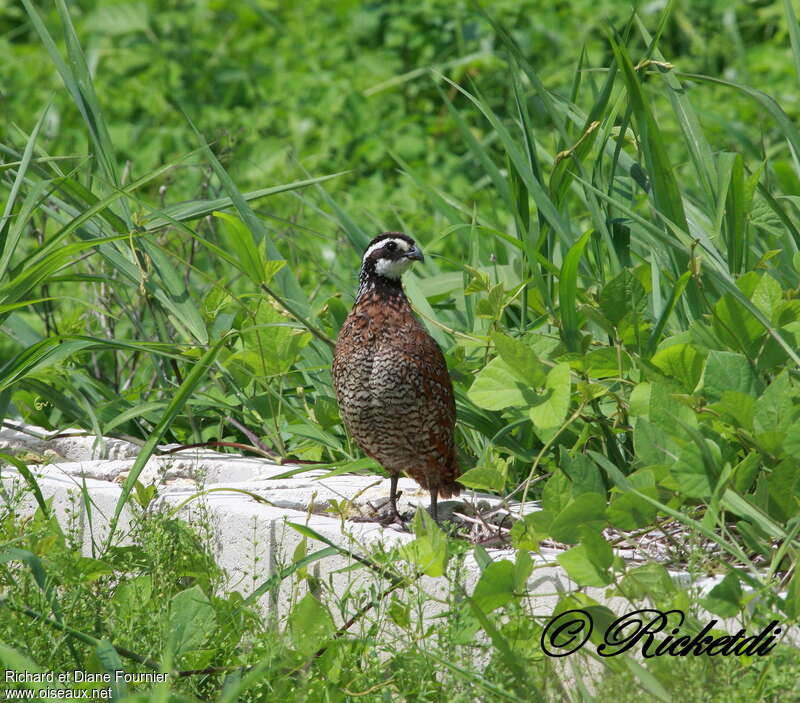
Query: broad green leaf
[(495, 587), (271, 342), (736, 325), (639, 400), (666, 411), (520, 358), (778, 407), (767, 296), (531, 530), (628, 511), (693, 476), (745, 472), (588, 510), (736, 406), (191, 620), (310, 625), (623, 296), (497, 387), (683, 362), (791, 444), (783, 483), (652, 445), (582, 569), (586, 477), (552, 408), (557, 492), (249, 256), (607, 362), (725, 598), (486, 478), (523, 568), (650, 580), (728, 371)]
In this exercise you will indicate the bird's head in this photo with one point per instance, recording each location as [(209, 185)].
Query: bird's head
[(389, 256)]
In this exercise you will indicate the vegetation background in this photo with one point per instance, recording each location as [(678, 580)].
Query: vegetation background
[(607, 196)]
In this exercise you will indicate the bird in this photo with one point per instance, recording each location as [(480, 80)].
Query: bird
[(390, 378)]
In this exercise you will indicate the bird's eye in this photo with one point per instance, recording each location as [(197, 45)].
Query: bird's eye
[(391, 246)]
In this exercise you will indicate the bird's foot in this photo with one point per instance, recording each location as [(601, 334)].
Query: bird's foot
[(387, 512)]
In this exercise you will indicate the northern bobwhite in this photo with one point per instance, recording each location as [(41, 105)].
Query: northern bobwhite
[(391, 381)]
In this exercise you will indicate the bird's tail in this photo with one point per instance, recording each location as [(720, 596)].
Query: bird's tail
[(448, 486)]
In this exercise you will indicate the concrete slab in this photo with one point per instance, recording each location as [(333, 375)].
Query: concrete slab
[(248, 511)]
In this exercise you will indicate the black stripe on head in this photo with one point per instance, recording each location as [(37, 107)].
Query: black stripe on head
[(374, 250)]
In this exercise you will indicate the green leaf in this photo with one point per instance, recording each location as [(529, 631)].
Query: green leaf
[(195, 209), (777, 408), (736, 406), (568, 294), (191, 620), (695, 479), (310, 625), (587, 510), (174, 295), (10, 237), (623, 296), (784, 501), (179, 399), (603, 363), (557, 492), (551, 410), (428, 552), (791, 444), (271, 342), (497, 387), (531, 530), (667, 412), (249, 257), (628, 511), (495, 587), (648, 581), (791, 604), (767, 296), (677, 292), (665, 194), (523, 568), (736, 325), (520, 358), (683, 362), (582, 568), (584, 474), (486, 478), (728, 371), (725, 599)]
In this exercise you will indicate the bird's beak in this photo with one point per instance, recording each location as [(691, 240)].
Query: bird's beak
[(415, 254)]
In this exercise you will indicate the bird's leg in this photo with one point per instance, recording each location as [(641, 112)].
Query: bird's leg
[(434, 498), (393, 497)]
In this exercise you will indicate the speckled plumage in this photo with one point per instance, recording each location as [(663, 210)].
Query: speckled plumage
[(390, 377)]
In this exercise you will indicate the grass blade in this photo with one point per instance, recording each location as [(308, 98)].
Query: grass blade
[(188, 386)]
